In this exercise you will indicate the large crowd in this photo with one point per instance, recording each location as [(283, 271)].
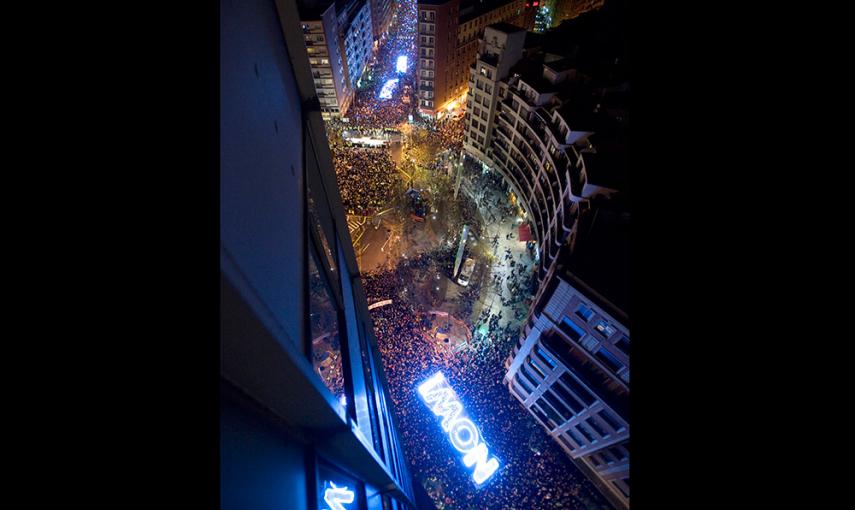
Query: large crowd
[(534, 473), (367, 178)]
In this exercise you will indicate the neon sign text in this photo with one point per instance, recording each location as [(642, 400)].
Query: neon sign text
[(336, 496), (463, 434)]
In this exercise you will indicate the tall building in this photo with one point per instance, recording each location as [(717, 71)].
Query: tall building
[(538, 120), (449, 31), (305, 417), (571, 371), (338, 35), (381, 16), (550, 115)]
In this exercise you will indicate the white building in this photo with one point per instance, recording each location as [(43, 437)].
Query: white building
[(571, 371), (339, 42)]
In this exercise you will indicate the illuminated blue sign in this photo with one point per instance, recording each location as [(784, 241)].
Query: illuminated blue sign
[(462, 433), (388, 87), (401, 64), (336, 497)]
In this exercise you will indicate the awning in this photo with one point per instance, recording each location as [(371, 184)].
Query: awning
[(525, 233)]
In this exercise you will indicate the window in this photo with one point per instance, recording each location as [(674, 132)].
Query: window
[(619, 453), (597, 427), (562, 409), (604, 328), (566, 442), (536, 369), (574, 437), (572, 330), (607, 457), (568, 399), (550, 412), (623, 345), (537, 412), (524, 371), (611, 420), (544, 356), (584, 312), (578, 389), (608, 359), (585, 432), (524, 385), (323, 321)]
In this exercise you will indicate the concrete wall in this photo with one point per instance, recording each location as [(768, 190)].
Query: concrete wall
[(261, 468), (261, 164)]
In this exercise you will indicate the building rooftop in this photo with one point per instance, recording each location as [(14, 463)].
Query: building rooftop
[(599, 265), (607, 167), (562, 64)]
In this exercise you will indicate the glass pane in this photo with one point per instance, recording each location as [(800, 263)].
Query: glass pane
[(597, 427), (611, 420), (623, 345), (578, 389), (609, 359), (323, 319)]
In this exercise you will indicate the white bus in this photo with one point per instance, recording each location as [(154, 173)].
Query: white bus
[(466, 272)]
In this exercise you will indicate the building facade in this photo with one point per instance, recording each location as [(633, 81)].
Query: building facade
[(305, 417), (448, 43), (381, 16), (522, 121), (437, 39), (338, 39), (571, 371)]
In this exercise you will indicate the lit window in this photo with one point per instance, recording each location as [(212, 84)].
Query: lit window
[(584, 312), (604, 328)]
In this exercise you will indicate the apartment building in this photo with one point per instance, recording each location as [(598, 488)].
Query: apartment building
[(448, 42), (571, 371), (381, 16), (546, 125), (338, 38)]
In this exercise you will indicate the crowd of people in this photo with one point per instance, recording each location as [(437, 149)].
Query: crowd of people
[(448, 134), (366, 178), (533, 474)]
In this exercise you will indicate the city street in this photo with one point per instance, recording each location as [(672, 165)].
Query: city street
[(407, 205)]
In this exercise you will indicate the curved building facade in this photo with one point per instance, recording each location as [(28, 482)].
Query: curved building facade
[(519, 122)]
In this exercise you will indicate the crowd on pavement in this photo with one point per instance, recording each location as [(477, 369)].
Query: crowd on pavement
[(533, 474), (366, 178)]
